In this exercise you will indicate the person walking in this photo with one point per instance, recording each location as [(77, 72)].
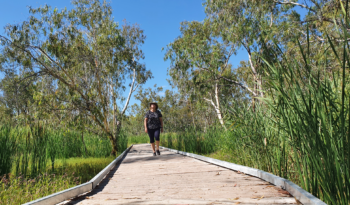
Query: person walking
[(153, 125)]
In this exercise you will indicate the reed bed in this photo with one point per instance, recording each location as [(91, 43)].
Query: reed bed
[(192, 140), (37, 161), (68, 173), (29, 150), (138, 139), (301, 130)]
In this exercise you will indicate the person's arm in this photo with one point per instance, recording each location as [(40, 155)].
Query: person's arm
[(145, 124), (161, 124)]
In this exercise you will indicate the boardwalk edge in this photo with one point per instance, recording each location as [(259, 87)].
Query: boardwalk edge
[(300, 194), (80, 189)]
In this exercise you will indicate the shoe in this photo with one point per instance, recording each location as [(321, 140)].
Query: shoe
[(158, 152), (154, 154)]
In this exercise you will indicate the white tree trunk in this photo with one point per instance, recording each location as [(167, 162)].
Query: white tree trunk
[(256, 76), (116, 122), (130, 93), (217, 106), (218, 110)]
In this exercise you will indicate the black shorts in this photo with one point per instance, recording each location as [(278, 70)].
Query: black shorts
[(153, 133)]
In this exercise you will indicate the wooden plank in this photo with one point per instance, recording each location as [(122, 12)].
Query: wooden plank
[(98, 178), (175, 179), (303, 196)]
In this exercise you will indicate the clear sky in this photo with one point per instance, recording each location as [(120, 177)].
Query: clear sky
[(160, 19)]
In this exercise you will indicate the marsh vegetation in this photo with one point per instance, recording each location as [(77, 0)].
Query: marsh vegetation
[(285, 110), (37, 161)]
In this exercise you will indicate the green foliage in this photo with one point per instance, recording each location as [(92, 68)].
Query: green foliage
[(302, 132), (138, 139), (30, 189), (190, 140), (122, 141), (8, 146), (28, 151), (36, 161), (63, 64), (179, 111)]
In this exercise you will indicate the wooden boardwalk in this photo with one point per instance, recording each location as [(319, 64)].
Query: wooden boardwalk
[(171, 178)]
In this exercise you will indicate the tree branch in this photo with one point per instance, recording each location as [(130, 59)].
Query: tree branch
[(211, 101), (130, 92), (233, 81), (297, 4)]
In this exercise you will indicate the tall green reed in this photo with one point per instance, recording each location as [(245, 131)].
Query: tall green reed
[(27, 150), (122, 141), (138, 139), (301, 131), (313, 113), (71, 172), (193, 140), (8, 145)]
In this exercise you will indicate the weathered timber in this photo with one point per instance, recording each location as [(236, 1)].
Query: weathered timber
[(176, 179), (300, 194)]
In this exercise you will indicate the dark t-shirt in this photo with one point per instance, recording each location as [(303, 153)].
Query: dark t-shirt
[(153, 121)]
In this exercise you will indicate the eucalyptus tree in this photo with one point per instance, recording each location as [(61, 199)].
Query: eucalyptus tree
[(204, 48), (200, 63), (179, 111), (241, 23), (250, 24), (323, 23), (17, 96), (86, 55)]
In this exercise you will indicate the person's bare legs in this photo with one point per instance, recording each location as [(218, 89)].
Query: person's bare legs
[(153, 148), (157, 143)]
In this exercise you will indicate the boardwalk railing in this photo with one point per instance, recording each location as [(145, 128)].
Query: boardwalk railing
[(300, 194), (80, 189)]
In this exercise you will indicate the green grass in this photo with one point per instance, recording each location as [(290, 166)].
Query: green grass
[(68, 173), (85, 168), (190, 140), (19, 190), (36, 161), (29, 150), (138, 139)]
